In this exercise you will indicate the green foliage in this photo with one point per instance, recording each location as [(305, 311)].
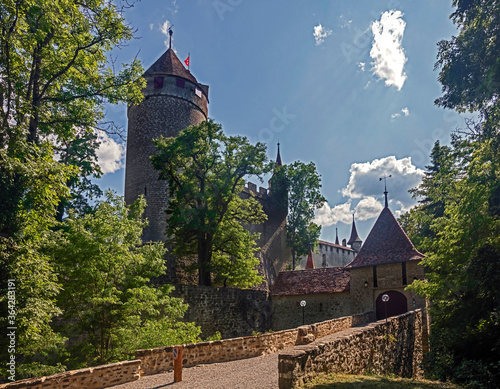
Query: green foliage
[(205, 169), (109, 308), (302, 185)]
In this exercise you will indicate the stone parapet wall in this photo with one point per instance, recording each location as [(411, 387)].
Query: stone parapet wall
[(392, 347), (160, 359), (90, 378)]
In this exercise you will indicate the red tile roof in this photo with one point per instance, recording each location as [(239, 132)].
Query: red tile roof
[(314, 281), (386, 243), (169, 64), (310, 261)]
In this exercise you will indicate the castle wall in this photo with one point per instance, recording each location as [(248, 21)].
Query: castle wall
[(330, 255), (392, 347), (287, 312), (233, 312)]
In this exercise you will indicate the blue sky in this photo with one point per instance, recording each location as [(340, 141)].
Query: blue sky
[(348, 85)]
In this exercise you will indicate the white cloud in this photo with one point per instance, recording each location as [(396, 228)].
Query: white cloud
[(327, 216), (368, 208), (364, 192), (344, 22), (151, 26), (387, 53), (164, 30), (404, 111), (110, 154), (320, 33), (361, 66)]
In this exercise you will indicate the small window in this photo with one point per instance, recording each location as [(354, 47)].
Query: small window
[(375, 281), (321, 307), (145, 191), (180, 82), (158, 82), (403, 268), (324, 261)]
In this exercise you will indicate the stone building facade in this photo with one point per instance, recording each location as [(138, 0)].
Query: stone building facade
[(385, 265)]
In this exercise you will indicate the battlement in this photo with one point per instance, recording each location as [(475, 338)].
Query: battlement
[(251, 189)]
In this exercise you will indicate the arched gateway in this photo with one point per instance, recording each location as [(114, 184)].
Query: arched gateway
[(396, 305)]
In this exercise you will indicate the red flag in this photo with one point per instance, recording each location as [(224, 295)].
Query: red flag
[(187, 61)]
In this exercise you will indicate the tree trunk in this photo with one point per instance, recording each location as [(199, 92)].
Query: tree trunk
[(204, 260)]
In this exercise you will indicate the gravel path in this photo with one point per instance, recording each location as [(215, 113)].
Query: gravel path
[(252, 373)]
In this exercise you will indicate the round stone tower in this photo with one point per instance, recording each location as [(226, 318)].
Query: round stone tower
[(173, 100)]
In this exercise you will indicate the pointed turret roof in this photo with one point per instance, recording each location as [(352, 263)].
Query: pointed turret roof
[(336, 237), (278, 157), (354, 233), (169, 64), (310, 261), (386, 243)]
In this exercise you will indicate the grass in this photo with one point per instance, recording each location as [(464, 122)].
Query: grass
[(344, 381)]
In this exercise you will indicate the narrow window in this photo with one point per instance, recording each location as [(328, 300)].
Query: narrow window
[(337, 249), (180, 82), (375, 282), (158, 82), (324, 261), (403, 264), (321, 307), (145, 191)]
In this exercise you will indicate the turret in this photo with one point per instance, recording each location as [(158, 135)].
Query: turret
[(354, 241), (173, 100)]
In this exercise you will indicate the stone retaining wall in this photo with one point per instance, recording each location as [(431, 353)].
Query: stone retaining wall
[(160, 359), (90, 378), (392, 347)]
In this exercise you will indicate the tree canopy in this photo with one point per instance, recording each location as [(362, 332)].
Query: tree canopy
[(205, 171), (302, 185)]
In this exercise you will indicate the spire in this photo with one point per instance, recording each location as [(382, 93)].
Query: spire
[(385, 187), (278, 158), (354, 233), (336, 236), (310, 261), (170, 33)]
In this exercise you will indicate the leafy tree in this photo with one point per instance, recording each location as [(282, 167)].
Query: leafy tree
[(109, 308), (54, 78), (302, 184), (204, 169)]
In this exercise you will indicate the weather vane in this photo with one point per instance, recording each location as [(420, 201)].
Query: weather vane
[(385, 187), (170, 32)]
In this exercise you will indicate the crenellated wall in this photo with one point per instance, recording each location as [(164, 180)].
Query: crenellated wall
[(392, 347)]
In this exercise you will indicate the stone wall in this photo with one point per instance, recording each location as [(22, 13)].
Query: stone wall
[(329, 255), (160, 359), (233, 312), (90, 378), (287, 312), (392, 347)]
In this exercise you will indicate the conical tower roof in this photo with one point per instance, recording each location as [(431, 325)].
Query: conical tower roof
[(278, 157), (169, 64), (354, 233), (310, 261), (386, 243)]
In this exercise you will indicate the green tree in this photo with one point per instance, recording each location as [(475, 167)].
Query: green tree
[(204, 169), (302, 185), (109, 307), (54, 78)]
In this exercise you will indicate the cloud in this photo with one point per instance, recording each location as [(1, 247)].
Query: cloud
[(327, 216), (404, 111), (344, 23), (164, 30), (151, 26), (320, 33), (361, 66), (110, 154), (368, 208), (364, 191), (387, 53)]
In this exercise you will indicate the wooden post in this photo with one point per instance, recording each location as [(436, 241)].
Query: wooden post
[(177, 363)]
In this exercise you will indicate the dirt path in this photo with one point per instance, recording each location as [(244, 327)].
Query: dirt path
[(252, 373)]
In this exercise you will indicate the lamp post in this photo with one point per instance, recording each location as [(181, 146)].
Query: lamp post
[(385, 299), (303, 304)]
